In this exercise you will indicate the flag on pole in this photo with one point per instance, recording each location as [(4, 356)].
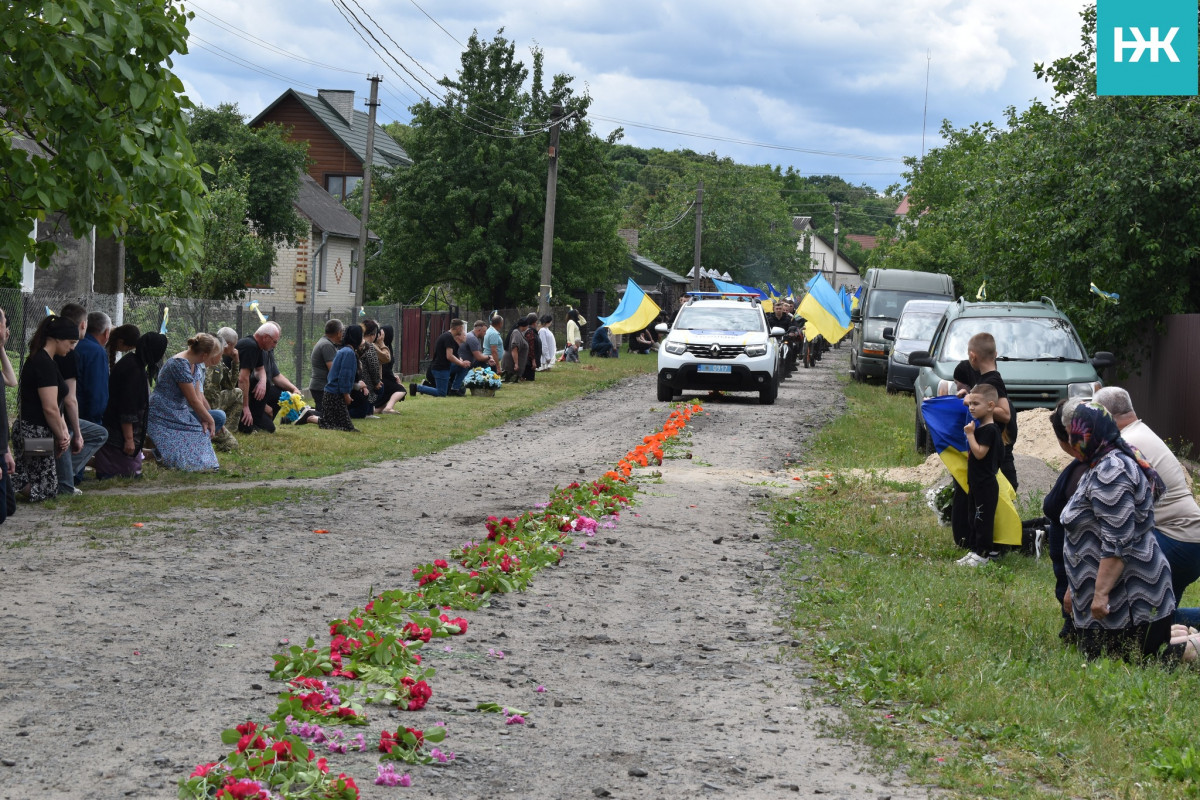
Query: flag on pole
[(49, 311), (635, 311), (945, 418), (253, 306), (824, 311), (166, 316), (981, 295)]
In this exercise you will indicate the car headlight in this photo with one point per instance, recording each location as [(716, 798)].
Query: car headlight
[(899, 358), (874, 349), (1083, 389), (754, 350), (676, 348)]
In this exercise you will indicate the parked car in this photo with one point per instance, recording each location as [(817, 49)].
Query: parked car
[(1038, 353), (913, 332), (885, 293), (719, 342)]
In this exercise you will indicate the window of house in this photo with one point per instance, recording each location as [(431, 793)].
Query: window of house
[(322, 270), (341, 185)]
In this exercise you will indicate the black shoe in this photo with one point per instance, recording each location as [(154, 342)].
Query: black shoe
[(412, 390)]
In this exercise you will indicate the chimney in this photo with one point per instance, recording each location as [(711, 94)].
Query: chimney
[(630, 235), (341, 101)]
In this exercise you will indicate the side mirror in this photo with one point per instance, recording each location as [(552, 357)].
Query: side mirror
[(1102, 359), (920, 358), (856, 315), (777, 333), (889, 334), (661, 328)]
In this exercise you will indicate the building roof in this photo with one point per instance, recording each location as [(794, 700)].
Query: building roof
[(802, 223), (352, 133), (325, 212), (657, 270), (864, 240)]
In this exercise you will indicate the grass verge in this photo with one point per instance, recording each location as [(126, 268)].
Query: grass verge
[(959, 674)]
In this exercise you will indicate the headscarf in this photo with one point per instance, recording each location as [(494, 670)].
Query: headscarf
[(352, 337), (151, 348), (1091, 428)]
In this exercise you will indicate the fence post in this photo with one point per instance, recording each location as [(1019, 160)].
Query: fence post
[(299, 345), (239, 320)]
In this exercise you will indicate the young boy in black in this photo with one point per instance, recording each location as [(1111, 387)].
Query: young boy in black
[(983, 491)]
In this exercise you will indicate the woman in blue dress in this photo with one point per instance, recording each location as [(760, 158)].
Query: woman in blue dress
[(180, 422)]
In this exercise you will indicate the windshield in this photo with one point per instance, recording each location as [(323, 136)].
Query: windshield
[(918, 326), (1017, 338), (700, 318), (887, 304)]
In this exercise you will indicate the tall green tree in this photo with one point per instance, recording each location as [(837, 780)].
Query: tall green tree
[(746, 225), (93, 125), (469, 212), (1082, 190)]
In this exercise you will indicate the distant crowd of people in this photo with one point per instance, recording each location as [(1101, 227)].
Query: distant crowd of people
[(92, 393)]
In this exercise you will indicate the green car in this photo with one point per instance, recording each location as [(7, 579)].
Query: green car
[(1038, 353)]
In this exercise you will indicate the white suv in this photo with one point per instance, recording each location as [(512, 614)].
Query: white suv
[(719, 342)]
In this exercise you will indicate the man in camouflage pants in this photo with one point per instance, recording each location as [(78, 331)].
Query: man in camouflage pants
[(221, 388)]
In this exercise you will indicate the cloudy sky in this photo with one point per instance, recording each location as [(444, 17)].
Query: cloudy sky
[(783, 82)]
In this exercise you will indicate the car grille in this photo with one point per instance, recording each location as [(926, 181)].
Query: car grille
[(725, 350), (1034, 398)]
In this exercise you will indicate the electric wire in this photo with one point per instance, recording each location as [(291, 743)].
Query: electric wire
[(435, 22), (674, 222), (213, 19)]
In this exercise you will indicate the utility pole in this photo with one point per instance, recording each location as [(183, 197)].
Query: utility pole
[(837, 207), (556, 116), (361, 267), (699, 221)]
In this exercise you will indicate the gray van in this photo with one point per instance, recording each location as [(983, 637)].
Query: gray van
[(885, 293)]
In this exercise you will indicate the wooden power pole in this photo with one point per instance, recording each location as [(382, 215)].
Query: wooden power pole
[(556, 116), (361, 267), (699, 223)]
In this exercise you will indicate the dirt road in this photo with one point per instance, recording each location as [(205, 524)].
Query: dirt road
[(664, 670)]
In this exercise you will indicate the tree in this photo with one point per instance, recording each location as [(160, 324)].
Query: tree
[(93, 126), (469, 212), (746, 226), (272, 164), (1084, 190)]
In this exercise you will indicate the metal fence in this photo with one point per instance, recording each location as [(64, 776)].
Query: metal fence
[(415, 329)]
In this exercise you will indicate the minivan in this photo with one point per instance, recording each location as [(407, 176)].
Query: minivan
[(885, 293)]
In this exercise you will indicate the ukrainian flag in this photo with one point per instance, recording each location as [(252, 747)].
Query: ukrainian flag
[(945, 418), (635, 311), (824, 311), (855, 300), (791, 296), (738, 288)]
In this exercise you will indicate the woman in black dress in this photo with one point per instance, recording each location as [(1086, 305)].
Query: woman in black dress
[(41, 394)]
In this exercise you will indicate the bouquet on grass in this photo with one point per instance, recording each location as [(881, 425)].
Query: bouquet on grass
[(483, 378)]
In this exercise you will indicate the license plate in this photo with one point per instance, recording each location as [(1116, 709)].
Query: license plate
[(724, 368)]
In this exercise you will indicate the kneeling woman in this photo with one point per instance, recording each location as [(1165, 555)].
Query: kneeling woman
[(179, 421), (344, 383), (129, 407), (1119, 594)]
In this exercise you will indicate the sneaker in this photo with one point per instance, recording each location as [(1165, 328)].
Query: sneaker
[(972, 560), (372, 416)]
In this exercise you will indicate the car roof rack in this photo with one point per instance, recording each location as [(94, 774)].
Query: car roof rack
[(692, 296)]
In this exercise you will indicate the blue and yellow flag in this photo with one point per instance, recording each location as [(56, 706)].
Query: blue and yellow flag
[(945, 418), (635, 311), (775, 295), (166, 317), (854, 301), (791, 296), (824, 311), (1111, 297), (739, 288)]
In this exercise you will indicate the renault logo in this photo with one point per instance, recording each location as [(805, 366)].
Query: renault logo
[(715, 351)]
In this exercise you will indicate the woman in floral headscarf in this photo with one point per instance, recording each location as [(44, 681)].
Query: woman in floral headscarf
[(1119, 594)]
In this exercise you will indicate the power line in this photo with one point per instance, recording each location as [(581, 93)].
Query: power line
[(435, 22), (245, 63), (713, 137), (213, 19)]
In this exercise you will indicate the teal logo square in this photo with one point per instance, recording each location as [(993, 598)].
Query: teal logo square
[(1146, 47)]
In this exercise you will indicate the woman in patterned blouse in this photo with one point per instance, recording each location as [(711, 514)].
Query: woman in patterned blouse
[(1119, 595)]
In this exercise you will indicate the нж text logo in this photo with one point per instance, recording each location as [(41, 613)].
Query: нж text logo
[(1146, 47), (1140, 45)]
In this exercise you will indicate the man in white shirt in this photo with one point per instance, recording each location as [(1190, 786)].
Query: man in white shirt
[(1176, 514), (549, 348)]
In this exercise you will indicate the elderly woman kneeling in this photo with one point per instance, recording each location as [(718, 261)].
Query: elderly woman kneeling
[(1119, 594)]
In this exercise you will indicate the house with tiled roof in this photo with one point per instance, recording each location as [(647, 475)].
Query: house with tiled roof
[(836, 266), (317, 271), (336, 134)]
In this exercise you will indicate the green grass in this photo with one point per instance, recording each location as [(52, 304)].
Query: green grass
[(875, 432), (959, 674)]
